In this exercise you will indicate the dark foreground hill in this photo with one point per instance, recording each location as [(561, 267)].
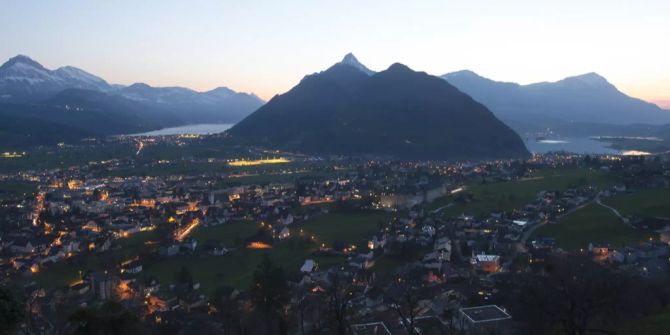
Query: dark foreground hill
[(397, 112)]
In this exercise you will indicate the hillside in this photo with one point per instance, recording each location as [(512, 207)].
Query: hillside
[(397, 112)]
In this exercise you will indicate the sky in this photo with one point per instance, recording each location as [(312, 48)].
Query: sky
[(266, 47)]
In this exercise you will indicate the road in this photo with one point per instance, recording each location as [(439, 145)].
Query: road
[(614, 210), (521, 245)]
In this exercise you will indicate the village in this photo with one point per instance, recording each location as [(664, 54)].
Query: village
[(378, 247)]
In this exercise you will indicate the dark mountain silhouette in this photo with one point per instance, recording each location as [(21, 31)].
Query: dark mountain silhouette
[(587, 99), (73, 114), (396, 112)]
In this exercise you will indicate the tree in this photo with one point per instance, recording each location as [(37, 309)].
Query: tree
[(108, 319), (227, 310), (270, 293), (339, 296), (580, 297), (406, 305), (11, 312), (183, 276)]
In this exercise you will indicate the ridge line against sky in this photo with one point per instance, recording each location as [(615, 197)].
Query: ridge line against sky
[(266, 47)]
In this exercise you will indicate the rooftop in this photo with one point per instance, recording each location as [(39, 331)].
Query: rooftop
[(485, 313)]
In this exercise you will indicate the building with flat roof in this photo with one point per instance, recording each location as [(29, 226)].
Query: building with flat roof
[(483, 320)]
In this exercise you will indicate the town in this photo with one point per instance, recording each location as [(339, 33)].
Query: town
[(172, 236)]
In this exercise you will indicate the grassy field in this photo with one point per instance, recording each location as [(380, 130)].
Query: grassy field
[(491, 197), (10, 190), (348, 226), (656, 324), (592, 223), (232, 235), (234, 269), (650, 202)]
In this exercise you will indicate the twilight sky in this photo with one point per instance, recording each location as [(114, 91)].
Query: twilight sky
[(266, 47)]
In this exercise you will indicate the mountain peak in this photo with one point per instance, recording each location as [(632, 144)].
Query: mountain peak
[(398, 67), (350, 59), (22, 59), (463, 74), (587, 80)]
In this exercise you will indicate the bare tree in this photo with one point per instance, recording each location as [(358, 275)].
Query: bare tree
[(406, 307), (339, 297)]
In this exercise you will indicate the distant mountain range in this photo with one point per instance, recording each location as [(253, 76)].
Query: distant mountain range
[(566, 105), (87, 104), (397, 112)]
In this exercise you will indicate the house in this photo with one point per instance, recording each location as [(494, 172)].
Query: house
[(486, 263), (600, 250), (308, 266), (169, 250), (22, 246), (443, 244), (373, 328), (132, 266), (377, 241), (215, 248), (189, 244), (288, 220), (361, 262), (482, 320), (428, 230), (102, 283), (281, 233)]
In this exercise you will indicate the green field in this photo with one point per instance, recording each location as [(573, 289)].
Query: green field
[(497, 196), (655, 324), (231, 234), (236, 268), (346, 226), (592, 223), (646, 203), (11, 190)]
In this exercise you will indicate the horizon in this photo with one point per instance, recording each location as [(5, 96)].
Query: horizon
[(267, 49)]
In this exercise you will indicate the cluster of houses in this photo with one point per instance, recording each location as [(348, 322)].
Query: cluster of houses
[(445, 266)]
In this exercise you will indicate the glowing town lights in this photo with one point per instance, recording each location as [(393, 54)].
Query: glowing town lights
[(259, 162), (258, 245), (181, 235)]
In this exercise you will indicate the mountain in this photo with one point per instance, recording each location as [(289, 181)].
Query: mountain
[(397, 112), (75, 113), (218, 105), (350, 59), (25, 81), (587, 98)]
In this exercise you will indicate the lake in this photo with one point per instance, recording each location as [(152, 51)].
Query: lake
[(197, 129), (574, 145)]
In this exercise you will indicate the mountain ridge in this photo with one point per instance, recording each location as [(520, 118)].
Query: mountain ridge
[(396, 112), (585, 98)]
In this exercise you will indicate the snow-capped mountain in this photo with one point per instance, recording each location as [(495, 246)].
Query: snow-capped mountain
[(350, 59), (25, 80), (85, 80)]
